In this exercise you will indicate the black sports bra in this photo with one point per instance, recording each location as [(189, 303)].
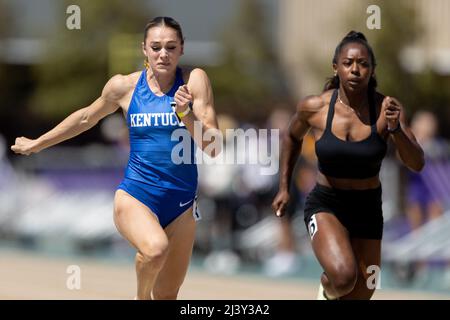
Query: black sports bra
[(350, 159)]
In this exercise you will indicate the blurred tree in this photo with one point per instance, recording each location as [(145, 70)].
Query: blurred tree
[(4, 19), (249, 83), (400, 29), (6, 92), (76, 66)]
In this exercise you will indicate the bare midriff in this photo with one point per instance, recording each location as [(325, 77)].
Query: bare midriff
[(348, 184)]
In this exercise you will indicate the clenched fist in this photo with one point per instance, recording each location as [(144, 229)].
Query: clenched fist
[(182, 98), (391, 109), (24, 146)]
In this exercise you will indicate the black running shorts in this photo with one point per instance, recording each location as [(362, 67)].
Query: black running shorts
[(359, 211)]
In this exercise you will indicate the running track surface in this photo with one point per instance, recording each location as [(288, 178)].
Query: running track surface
[(32, 276)]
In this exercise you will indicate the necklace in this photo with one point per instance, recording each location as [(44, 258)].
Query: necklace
[(357, 112), (342, 102)]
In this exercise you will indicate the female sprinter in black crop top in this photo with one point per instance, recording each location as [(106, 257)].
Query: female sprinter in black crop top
[(351, 123)]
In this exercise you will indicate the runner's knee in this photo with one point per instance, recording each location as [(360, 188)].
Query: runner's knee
[(342, 278), (154, 251)]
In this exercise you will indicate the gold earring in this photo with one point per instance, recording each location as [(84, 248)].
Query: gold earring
[(146, 64)]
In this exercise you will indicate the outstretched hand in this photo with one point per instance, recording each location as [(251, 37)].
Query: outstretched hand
[(24, 146), (280, 202)]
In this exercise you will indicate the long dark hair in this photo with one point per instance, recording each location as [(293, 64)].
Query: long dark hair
[(352, 37), (165, 21)]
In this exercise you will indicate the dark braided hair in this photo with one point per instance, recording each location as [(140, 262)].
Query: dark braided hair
[(352, 37)]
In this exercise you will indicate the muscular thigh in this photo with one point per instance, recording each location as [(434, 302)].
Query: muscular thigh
[(331, 243), (136, 222)]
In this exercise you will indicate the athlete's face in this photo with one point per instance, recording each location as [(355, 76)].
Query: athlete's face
[(354, 67), (163, 49)]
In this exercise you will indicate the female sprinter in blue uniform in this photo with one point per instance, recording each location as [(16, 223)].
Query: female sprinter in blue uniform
[(153, 205), (351, 123)]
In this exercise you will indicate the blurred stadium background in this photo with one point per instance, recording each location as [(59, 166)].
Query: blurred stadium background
[(261, 56)]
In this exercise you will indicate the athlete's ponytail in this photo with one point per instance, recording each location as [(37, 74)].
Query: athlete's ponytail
[(332, 83), (352, 37)]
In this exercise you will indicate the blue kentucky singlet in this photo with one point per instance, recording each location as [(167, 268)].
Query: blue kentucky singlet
[(151, 121)]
